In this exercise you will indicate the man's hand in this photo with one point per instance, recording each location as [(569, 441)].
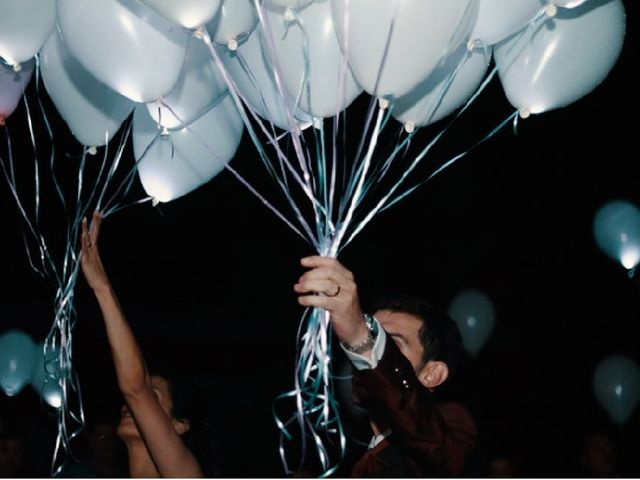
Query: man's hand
[(91, 263), (330, 286)]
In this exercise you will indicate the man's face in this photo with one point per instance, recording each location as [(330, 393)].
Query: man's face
[(161, 388), (404, 329)]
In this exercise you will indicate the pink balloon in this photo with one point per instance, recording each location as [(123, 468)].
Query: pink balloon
[(12, 84)]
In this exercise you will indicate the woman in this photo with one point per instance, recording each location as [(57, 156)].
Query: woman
[(148, 426)]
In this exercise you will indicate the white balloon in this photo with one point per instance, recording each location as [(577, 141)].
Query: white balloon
[(475, 315), (52, 394), (330, 86), (199, 87), (424, 33), (188, 13), (257, 85), (24, 27), (125, 45), (290, 3), (497, 19), (568, 3), (616, 383), (446, 89), (187, 158), (92, 110), (563, 60), (12, 85), (616, 228), (16, 361), (46, 375), (236, 19)]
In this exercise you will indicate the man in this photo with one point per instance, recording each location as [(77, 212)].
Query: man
[(149, 425), (401, 355)]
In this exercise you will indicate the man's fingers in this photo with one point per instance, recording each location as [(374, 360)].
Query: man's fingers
[(326, 273), (320, 301), (317, 261), (324, 286)]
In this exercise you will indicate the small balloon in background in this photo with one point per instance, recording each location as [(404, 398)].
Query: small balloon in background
[(475, 315), (52, 393), (45, 378), (616, 228), (12, 85), (563, 59), (616, 383), (16, 361)]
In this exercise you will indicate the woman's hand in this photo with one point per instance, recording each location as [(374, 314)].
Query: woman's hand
[(90, 260)]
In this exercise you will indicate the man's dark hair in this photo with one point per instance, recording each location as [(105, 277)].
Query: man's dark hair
[(439, 334)]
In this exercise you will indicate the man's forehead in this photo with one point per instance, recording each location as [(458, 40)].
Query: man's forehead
[(400, 318)]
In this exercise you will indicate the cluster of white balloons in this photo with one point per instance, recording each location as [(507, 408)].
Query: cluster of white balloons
[(294, 62), (22, 363)]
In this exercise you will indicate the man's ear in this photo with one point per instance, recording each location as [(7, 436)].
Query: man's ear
[(433, 374), (181, 425)]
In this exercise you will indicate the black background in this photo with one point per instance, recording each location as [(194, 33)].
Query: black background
[(206, 280)]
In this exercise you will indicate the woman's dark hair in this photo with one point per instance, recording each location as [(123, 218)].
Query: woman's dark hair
[(188, 405)]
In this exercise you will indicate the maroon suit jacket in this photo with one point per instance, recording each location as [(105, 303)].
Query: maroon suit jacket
[(427, 439)]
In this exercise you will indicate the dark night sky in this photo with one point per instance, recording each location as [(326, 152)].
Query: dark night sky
[(206, 280)]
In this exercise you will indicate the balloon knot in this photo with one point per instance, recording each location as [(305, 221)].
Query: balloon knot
[(524, 113), (232, 44), (289, 16), (473, 44), (165, 132), (409, 127), (92, 150), (551, 10), (155, 201), (383, 103), (16, 67)]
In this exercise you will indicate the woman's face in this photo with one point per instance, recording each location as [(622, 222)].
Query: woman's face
[(162, 390)]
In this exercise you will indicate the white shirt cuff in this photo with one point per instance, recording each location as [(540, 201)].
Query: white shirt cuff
[(360, 362)]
